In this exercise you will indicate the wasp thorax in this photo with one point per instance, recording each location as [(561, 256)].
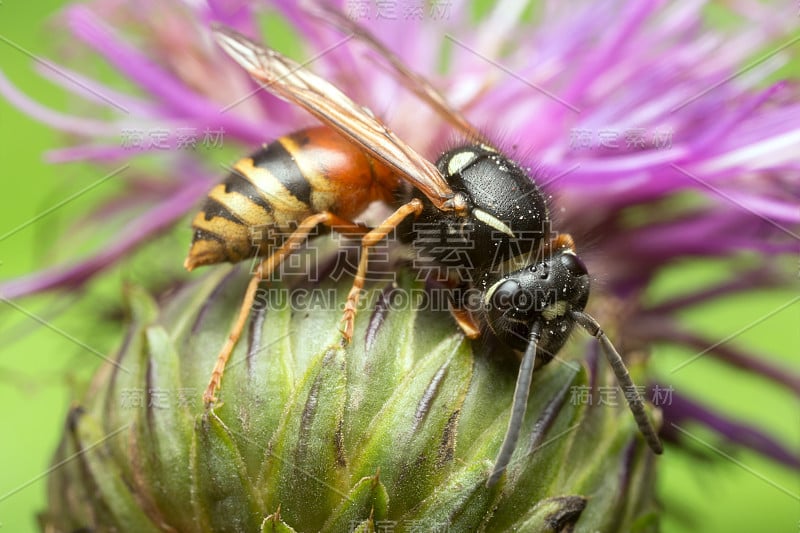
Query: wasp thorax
[(506, 215)]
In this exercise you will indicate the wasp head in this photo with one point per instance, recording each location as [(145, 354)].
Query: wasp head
[(545, 292)]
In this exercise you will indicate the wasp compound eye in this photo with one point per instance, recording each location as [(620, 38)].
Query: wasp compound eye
[(503, 296), (573, 264), (511, 300)]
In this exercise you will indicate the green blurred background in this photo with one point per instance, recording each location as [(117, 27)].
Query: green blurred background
[(40, 368)]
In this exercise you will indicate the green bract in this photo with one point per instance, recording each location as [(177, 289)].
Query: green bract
[(397, 432)]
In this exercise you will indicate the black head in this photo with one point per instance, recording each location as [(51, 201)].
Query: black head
[(533, 310), (546, 293)]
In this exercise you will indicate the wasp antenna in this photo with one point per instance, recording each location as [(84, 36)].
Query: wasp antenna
[(518, 407), (635, 401)]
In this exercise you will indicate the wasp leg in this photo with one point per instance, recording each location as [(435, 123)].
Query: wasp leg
[(466, 322), (370, 239), (264, 269)]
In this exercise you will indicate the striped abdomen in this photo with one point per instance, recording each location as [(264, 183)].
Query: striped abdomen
[(268, 193)]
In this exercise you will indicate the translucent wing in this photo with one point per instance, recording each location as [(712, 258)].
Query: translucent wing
[(292, 82), (413, 81)]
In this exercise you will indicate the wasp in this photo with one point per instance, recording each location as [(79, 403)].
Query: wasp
[(533, 286)]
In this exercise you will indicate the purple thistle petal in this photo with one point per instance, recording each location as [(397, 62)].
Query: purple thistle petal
[(660, 330), (605, 53), (762, 277), (177, 97), (720, 229), (743, 111), (681, 410), (297, 15), (60, 121), (88, 152), (138, 232), (232, 13), (768, 208), (95, 92)]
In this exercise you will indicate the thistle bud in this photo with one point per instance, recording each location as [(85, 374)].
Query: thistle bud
[(396, 432)]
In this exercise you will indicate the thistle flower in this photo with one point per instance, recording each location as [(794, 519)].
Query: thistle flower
[(659, 144)]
